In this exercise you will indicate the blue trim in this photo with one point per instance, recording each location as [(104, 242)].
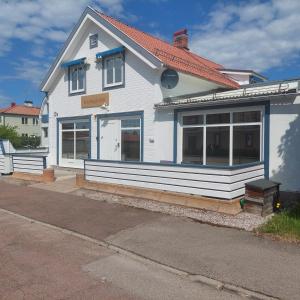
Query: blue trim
[(195, 166), (44, 163), (267, 139), (26, 154), (88, 117), (2, 147), (75, 62), (175, 137), (89, 11), (69, 83), (110, 52), (266, 104), (45, 118), (139, 113)]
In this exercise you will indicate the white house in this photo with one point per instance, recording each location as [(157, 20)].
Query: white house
[(124, 100)]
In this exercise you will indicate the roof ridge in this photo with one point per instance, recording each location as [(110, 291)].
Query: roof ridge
[(130, 26), (196, 56)]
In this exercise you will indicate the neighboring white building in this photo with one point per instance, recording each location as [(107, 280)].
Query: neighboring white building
[(25, 118), (115, 93)]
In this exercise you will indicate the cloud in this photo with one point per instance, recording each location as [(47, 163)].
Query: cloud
[(44, 26), (4, 100), (255, 35)]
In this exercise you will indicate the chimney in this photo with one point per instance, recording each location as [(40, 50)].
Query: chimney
[(181, 39), (13, 104), (28, 103)]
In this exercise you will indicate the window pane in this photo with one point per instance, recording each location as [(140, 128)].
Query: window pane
[(68, 145), (130, 123), (192, 120), (192, 148), (246, 144), (74, 79), (131, 145), (67, 126), (80, 78), (218, 118), (118, 69), (246, 117), (82, 125), (109, 71), (217, 145), (82, 144)]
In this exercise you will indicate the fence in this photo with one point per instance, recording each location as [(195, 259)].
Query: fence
[(226, 183), (24, 163)]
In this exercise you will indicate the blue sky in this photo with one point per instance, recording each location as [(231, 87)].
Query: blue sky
[(258, 35)]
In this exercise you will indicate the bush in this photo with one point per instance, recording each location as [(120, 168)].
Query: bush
[(10, 133), (30, 141)]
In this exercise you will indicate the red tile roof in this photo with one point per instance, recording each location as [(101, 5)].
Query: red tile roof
[(21, 110), (174, 57)]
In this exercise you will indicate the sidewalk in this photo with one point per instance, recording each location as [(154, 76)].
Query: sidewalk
[(228, 255)]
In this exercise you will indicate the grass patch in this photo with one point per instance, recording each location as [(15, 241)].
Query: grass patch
[(284, 225)]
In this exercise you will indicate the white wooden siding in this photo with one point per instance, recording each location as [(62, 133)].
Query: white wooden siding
[(28, 164), (1, 158), (220, 183)]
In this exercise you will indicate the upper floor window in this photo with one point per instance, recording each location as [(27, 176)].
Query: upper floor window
[(24, 120), (93, 41), (113, 70), (77, 78), (35, 121)]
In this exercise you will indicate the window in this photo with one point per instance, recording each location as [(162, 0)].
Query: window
[(77, 79), (35, 121), (75, 140), (113, 70), (93, 41), (131, 139), (24, 135), (192, 145), (45, 129), (0, 119), (228, 138), (169, 79), (246, 144), (24, 120)]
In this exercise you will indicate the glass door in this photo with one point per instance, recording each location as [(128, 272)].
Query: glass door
[(75, 140)]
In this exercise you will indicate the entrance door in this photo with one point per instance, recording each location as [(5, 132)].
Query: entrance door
[(110, 140), (74, 143), (120, 139)]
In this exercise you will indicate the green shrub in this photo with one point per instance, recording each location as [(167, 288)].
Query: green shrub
[(9, 133)]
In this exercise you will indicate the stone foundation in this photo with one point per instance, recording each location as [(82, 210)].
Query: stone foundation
[(231, 207), (47, 176)]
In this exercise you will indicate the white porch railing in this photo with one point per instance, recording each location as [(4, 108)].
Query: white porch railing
[(226, 183), (25, 163)]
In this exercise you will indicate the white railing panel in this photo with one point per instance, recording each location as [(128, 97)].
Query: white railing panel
[(214, 182)]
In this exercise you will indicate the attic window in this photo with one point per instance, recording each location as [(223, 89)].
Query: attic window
[(93, 41)]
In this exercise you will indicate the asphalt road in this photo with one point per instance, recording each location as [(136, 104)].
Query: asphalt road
[(228, 255), (38, 262)]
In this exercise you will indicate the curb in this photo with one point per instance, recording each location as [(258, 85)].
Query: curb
[(219, 285)]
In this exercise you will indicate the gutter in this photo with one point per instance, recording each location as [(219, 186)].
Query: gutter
[(224, 101)]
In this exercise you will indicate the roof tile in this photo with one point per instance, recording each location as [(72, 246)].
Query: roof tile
[(174, 57), (21, 110)]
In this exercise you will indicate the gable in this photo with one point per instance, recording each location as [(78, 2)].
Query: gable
[(153, 51), (77, 35)]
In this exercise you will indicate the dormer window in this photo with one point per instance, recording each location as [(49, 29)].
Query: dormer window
[(77, 78), (114, 70), (93, 41)]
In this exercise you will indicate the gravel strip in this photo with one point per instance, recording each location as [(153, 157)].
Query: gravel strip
[(243, 220)]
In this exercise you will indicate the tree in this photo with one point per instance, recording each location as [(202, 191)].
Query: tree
[(9, 133)]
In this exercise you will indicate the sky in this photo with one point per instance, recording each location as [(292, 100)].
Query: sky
[(259, 35)]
